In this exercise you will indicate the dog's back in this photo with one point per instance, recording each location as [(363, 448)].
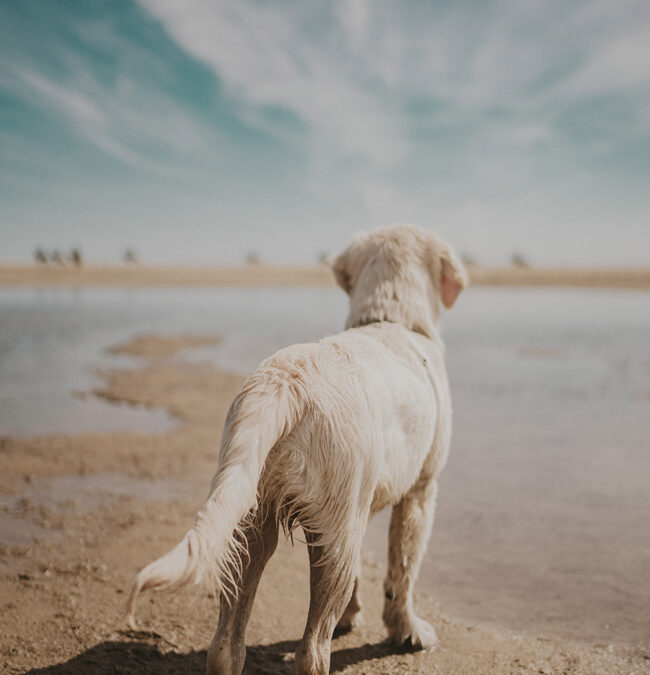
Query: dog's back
[(373, 401)]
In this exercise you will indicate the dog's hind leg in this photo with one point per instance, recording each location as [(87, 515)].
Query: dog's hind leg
[(410, 527), (227, 653), (331, 583), (352, 616)]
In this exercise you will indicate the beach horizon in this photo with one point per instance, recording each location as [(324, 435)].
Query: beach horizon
[(47, 276)]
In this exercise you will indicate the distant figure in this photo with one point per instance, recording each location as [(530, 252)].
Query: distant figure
[(130, 257), (518, 260), (40, 257), (252, 258), (322, 257), (75, 257)]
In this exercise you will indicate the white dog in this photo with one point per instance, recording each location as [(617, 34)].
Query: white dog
[(325, 435)]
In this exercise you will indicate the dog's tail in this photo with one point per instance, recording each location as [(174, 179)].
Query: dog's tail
[(265, 410)]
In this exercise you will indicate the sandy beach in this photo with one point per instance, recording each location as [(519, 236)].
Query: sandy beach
[(316, 275), (84, 513)]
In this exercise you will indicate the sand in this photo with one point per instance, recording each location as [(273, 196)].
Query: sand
[(80, 515), (316, 275)]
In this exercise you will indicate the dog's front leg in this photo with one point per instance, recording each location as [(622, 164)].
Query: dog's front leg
[(410, 527), (227, 653)]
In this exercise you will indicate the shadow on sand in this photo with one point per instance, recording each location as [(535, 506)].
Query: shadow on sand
[(140, 657)]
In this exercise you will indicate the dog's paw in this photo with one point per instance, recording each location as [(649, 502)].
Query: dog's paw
[(421, 635), (348, 622), (416, 633)]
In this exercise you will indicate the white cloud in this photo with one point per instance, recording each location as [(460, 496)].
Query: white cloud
[(621, 63), (347, 71), (355, 20), (81, 111), (119, 119), (264, 56), (69, 101)]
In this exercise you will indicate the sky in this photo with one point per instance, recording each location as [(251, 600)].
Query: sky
[(195, 131)]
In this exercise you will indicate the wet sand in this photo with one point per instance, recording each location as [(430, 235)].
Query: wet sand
[(80, 515), (315, 275)]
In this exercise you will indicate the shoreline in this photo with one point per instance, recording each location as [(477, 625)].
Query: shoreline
[(102, 505), (315, 275)]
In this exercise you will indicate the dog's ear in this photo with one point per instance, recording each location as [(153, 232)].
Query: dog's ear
[(452, 277), (347, 265)]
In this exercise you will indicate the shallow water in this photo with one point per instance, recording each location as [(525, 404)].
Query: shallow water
[(543, 520), (78, 494), (52, 342), (89, 492), (19, 530)]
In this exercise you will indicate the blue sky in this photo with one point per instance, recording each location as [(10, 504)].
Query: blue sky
[(194, 131)]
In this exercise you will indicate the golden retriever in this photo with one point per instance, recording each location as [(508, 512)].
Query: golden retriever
[(325, 435)]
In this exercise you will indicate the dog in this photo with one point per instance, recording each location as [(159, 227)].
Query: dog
[(325, 435)]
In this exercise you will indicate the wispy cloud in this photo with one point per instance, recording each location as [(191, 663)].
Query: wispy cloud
[(502, 73), (69, 101), (270, 55), (127, 116), (84, 114)]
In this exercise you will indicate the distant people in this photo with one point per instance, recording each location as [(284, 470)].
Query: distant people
[(75, 257), (322, 257), (518, 260), (130, 257), (252, 258), (40, 257)]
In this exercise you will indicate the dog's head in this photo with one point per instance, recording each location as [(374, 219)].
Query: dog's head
[(400, 274)]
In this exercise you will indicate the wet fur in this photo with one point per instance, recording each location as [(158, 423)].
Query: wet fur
[(324, 435)]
